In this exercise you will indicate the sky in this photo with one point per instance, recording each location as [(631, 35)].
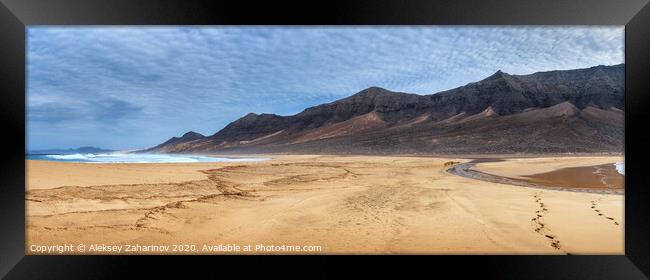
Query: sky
[(135, 87)]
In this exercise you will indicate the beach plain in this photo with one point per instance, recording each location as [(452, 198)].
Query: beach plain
[(342, 204)]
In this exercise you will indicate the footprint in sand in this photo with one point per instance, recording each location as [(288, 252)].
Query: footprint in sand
[(594, 205), (540, 227)]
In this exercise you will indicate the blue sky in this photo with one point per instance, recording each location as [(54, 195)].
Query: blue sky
[(132, 87)]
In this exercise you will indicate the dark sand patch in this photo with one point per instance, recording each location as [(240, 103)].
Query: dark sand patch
[(595, 179), (599, 176)]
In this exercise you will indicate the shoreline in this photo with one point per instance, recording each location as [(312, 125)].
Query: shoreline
[(470, 156)]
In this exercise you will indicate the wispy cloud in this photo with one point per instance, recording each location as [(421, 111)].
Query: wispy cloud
[(144, 85)]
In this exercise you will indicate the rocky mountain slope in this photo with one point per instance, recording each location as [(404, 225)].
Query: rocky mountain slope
[(567, 111)]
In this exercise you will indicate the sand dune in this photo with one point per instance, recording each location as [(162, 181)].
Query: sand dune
[(358, 205)]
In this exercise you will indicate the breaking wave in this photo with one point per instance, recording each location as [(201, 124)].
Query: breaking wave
[(620, 167), (137, 158)]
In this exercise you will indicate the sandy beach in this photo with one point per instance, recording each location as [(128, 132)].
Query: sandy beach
[(342, 204)]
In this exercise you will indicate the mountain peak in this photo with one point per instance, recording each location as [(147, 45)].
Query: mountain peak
[(249, 117), (192, 134), (368, 94), (497, 75), (371, 91), (373, 88)]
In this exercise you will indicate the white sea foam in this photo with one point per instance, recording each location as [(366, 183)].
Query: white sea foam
[(142, 158), (70, 157), (620, 167)]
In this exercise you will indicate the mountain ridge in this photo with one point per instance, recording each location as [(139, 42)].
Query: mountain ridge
[(380, 121)]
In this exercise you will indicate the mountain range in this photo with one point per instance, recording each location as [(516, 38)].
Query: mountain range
[(564, 111)]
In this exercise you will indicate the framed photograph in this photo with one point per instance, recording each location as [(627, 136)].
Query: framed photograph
[(487, 135)]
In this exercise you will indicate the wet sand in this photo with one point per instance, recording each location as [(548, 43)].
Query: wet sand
[(602, 178), (345, 204), (521, 167), (599, 176)]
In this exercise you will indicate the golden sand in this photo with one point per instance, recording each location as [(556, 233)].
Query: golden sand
[(359, 205)]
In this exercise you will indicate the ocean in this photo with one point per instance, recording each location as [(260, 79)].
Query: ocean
[(137, 158)]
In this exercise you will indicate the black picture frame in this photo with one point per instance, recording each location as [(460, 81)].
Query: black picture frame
[(15, 15)]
